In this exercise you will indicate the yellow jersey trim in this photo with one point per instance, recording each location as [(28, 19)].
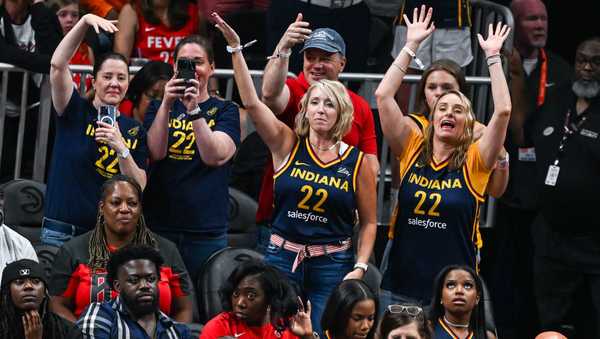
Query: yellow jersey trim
[(356, 169), (289, 161), (329, 164)]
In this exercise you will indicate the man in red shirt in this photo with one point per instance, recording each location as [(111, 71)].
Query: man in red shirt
[(324, 58)]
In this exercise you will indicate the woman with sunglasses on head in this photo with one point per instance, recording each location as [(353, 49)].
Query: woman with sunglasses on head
[(404, 322), (444, 171), (351, 311), (457, 307)]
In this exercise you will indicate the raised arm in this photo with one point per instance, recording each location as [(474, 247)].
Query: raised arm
[(492, 140), (279, 138), (395, 125), (274, 90), (125, 37), (60, 76)]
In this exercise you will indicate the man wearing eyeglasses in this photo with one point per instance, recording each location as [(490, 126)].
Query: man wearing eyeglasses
[(567, 228), (133, 271)]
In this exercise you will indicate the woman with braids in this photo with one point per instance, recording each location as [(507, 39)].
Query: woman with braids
[(79, 270), (24, 308), (444, 171)]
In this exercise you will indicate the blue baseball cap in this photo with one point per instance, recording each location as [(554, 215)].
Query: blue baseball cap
[(326, 39)]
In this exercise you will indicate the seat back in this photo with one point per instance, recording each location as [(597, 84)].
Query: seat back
[(490, 323), (24, 207), (242, 219), (217, 269), (373, 278), (46, 255)]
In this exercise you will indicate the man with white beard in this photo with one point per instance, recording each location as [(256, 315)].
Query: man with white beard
[(567, 229)]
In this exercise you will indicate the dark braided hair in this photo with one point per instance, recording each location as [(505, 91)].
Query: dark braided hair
[(98, 246), (11, 324)]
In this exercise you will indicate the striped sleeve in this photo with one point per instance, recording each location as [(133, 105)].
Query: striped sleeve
[(96, 321)]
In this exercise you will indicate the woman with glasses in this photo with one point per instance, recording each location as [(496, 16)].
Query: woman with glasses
[(457, 309), (404, 322), (350, 312)]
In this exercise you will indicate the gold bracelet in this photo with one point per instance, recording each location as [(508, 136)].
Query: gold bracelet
[(399, 67)]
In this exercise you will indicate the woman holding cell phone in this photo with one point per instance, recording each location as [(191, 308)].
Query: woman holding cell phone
[(192, 138), (88, 151)]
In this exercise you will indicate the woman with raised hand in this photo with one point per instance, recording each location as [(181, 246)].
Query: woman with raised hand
[(444, 172), (320, 184), (93, 140)]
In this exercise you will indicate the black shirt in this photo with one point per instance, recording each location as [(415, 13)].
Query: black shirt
[(569, 206)]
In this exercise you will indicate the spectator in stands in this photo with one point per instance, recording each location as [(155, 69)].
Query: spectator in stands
[(259, 303), (80, 267), (324, 58), (67, 12), (404, 322), (320, 184), (441, 76), (457, 309), (24, 308), (192, 138), (135, 273), (13, 246), (147, 85), (444, 171), (29, 33), (88, 151), (151, 29), (550, 335), (352, 19), (566, 242), (351, 311), (534, 70)]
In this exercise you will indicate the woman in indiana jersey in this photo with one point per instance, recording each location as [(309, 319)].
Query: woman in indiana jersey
[(320, 185), (443, 171)]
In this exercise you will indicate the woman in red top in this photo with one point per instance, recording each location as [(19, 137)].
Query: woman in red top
[(79, 269), (259, 303), (150, 29)]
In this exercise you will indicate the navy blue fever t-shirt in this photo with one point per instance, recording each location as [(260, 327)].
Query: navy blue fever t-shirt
[(80, 165), (183, 193)]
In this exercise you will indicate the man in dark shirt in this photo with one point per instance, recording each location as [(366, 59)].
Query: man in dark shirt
[(133, 271), (566, 137)]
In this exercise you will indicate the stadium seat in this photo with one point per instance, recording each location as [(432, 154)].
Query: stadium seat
[(242, 224), (490, 323), (373, 278), (216, 270), (46, 255), (24, 207)]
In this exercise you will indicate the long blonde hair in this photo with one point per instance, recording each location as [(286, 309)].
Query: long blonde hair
[(336, 91), (457, 159)]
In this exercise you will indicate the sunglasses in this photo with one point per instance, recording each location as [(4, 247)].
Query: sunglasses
[(410, 310)]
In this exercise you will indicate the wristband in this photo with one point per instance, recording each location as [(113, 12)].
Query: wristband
[(414, 56), (124, 154), (196, 114), (403, 70), (493, 59), (240, 47), (362, 266), (280, 54)]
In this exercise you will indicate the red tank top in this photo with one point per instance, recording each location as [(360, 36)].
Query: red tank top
[(157, 42), (81, 57)]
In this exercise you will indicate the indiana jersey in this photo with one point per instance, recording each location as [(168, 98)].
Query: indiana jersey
[(157, 42), (436, 221), (443, 331), (314, 201)]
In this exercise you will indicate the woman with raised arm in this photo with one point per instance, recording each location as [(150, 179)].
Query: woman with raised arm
[(88, 150), (320, 183), (444, 172)]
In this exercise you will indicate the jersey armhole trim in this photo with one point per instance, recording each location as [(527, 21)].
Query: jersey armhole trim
[(287, 161)]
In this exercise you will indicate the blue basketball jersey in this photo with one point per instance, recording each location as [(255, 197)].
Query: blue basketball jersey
[(442, 331), (436, 220), (314, 201)]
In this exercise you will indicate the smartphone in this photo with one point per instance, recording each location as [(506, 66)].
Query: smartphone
[(186, 69), (107, 114)]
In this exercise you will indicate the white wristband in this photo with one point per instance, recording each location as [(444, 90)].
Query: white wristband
[(240, 47), (362, 266), (414, 56), (124, 154)]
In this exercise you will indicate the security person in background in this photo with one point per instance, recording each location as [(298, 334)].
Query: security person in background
[(567, 230)]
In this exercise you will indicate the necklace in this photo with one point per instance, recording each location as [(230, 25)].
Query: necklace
[(324, 149), (455, 325)]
